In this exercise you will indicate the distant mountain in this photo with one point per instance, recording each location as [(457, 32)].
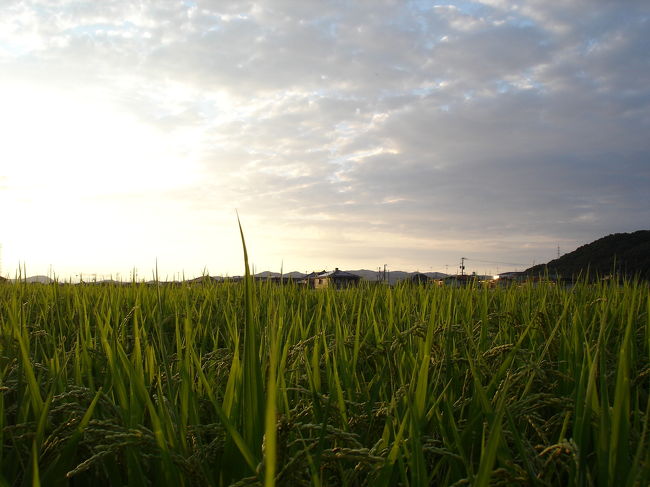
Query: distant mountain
[(626, 254), (294, 274), (35, 279), (267, 274), (374, 276), (204, 279)]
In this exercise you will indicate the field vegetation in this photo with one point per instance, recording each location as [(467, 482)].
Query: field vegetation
[(257, 384)]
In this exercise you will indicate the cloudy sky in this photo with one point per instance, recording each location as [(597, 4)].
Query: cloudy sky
[(347, 134)]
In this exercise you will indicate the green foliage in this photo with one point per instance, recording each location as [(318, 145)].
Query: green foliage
[(252, 383)]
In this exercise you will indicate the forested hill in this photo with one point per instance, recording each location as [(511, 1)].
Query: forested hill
[(628, 254)]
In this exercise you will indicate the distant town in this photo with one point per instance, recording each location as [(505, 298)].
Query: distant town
[(619, 254), (315, 280)]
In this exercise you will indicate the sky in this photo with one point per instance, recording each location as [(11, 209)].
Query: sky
[(350, 134)]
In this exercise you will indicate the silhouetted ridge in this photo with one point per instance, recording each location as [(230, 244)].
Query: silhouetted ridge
[(623, 254)]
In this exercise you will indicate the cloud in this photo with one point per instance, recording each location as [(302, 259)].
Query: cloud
[(355, 124)]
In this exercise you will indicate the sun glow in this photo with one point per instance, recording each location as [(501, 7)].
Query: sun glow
[(75, 168), (61, 143)]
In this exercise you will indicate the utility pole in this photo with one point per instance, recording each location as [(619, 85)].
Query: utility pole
[(462, 265)]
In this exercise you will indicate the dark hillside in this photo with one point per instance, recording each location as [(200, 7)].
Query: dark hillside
[(626, 254)]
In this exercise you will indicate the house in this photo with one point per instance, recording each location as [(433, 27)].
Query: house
[(507, 278), (459, 280), (419, 278), (311, 280), (513, 276), (337, 278)]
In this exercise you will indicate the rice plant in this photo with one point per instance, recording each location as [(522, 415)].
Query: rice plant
[(253, 383)]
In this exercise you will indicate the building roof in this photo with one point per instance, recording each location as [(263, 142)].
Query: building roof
[(336, 273), (314, 274), (418, 277)]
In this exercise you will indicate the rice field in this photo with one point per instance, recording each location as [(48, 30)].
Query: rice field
[(252, 384)]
